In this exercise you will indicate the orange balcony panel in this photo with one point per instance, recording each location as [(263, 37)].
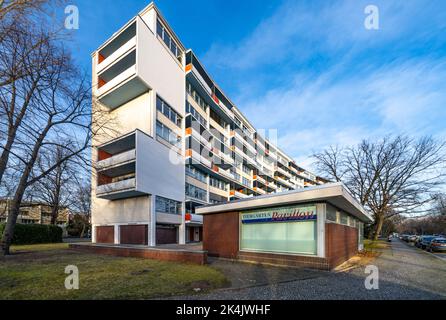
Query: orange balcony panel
[(232, 192), (215, 168), (215, 98), (189, 153), (188, 217), (102, 155), (101, 82), (100, 58), (188, 130), (188, 67)]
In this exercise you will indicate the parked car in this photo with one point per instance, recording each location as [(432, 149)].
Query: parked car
[(425, 241), (412, 238), (437, 244), (418, 242)]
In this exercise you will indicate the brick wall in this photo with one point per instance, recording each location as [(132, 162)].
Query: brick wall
[(341, 243), (195, 257)]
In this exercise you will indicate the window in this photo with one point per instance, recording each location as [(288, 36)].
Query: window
[(195, 192), (170, 43), (246, 182), (195, 114), (344, 218), (167, 110), (167, 205), (168, 135), (217, 183), (286, 237), (195, 173), (246, 169)]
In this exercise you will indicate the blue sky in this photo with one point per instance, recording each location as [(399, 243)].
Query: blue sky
[(308, 68)]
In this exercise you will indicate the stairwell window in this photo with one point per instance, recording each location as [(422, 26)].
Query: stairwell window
[(167, 110), (168, 40), (167, 135)]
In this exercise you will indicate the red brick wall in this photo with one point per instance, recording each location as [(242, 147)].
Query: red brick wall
[(221, 234), (285, 260), (196, 257), (341, 243)]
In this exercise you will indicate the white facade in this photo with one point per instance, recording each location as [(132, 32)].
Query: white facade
[(173, 140)]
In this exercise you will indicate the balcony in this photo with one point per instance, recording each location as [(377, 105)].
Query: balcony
[(116, 160), (117, 190), (193, 218), (283, 172), (116, 78), (284, 182), (259, 190), (260, 179), (118, 53), (196, 158), (239, 195)]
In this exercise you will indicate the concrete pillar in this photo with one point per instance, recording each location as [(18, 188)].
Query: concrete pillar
[(182, 226), (93, 233), (116, 229), (321, 213), (152, 222)]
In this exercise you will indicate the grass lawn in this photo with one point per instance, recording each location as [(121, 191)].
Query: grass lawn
[(370, 245), (37, 272)]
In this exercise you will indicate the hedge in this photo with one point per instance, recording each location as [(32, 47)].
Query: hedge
[(35, 233)]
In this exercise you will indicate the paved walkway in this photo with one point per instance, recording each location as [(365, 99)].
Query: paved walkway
[(404, 273)]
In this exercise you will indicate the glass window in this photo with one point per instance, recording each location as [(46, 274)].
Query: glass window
[(286, 237), (195, 192), (167, 205), (159, 29), (167, 111), (344, 218)]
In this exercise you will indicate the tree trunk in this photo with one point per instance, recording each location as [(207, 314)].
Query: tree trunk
[(8, 233), (379, 225), (54, 213)]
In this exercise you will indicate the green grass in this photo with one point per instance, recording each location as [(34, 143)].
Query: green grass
[(38, 247), (370, 245), (37, 272)]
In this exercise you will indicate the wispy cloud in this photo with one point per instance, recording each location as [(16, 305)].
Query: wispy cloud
[(322, 78)]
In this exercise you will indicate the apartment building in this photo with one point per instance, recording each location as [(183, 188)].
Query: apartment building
[(178, 142), (32, 212)]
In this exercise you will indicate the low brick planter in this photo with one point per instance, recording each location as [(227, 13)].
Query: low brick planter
[(178, 255)]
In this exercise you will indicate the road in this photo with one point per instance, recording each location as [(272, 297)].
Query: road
[(405, 272)]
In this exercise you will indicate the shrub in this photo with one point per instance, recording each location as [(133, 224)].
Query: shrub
[(35, 233)]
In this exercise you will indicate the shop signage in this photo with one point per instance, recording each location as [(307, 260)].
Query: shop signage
[(283, 214)]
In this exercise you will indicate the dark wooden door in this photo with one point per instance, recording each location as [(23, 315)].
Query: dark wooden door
[(166, 235), (105, 234), (134, 234)]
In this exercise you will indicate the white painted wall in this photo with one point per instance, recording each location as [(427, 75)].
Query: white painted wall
[(130, 210), (159, 69), (159, 170)]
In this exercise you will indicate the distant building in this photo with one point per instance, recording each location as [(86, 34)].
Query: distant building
[(33, 213)]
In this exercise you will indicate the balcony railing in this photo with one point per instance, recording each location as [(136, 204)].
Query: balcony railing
[(128, 73), (117, 159), (116, 186), (237, 194), (129, 45)]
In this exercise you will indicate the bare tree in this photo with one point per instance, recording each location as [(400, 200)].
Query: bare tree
[(389, 177), (57, 187)]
